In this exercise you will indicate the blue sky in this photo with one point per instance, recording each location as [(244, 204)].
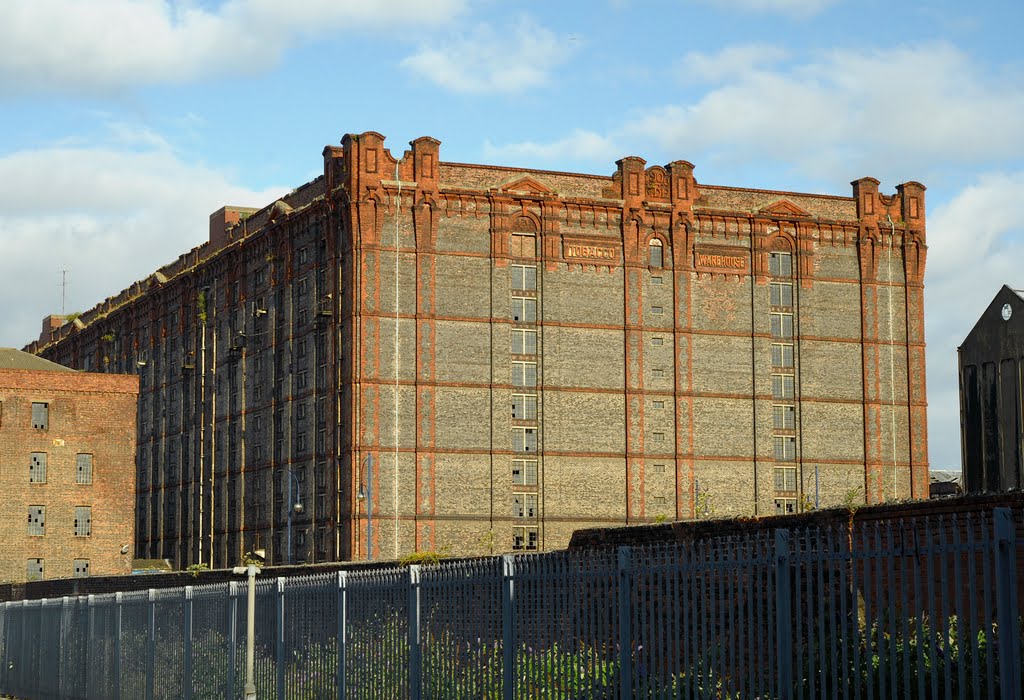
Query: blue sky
[(125, 123)]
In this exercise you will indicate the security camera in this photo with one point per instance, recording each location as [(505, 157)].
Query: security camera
[(125, 549)]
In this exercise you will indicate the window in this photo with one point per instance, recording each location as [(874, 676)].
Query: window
[(524, 276), (782, 325), (524, 439), (780, 264), (302, 380), (782, 355), (524, 505), (83, 474), (656, 279), (524, 342), (782, 386), (658, 403), (524, 246), (657, 340), (659, 500), (81, 568), (524, 310), (524, 538), (41, 416), (658, 373), (785, 478), (524, 406), (658, 468), (37, 468), (785, 506), (784, 417), (83, 521), (656, 256), (524, 472), (784, 448), (524, 373), (782, 294), (37, 521), (34, 570), (658, 437), (302, 255), (657, 310)]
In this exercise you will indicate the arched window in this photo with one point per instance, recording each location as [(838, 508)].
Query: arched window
[(656, 255)]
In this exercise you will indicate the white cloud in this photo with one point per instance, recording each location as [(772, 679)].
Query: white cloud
[(105, 45), (485, 61), (975, 245), (730, 62), (578, 146), (110, 215), (798, 9)]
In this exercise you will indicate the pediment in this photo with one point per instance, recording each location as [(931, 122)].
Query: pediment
[(525, 184), (784, 207)]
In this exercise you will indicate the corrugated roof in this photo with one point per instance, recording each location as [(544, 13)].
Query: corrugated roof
[(11, 358)]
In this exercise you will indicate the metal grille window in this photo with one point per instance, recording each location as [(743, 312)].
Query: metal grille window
[(658, 373), (783, 386), (785, 506), (524, 373), (37, 521), (782, 355), (782, 325), (524, 277), (524, 342), (780, 264), (524, 538), (785, 478), (782, 294), (658, 403), (658, 437), (657, 310), (524, 472), (41, 416), (659, 468), (81, 568), (656, 254), (83, 474), (37, 468), (659, 500), (83, 521), (657, 340), (524, 439), (657, 279), (524, 505), (784, 417), (34, 570), (524, 309), (524, 406), (784, 448)]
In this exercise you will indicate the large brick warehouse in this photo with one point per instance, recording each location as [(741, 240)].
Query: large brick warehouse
[(571, 351)]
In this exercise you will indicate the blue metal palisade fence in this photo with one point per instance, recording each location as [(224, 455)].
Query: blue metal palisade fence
[(913, 608)]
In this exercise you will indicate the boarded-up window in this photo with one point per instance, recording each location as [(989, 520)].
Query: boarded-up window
[(81, 568), (40, 416), (37, 521), (84, 469), (83, 521), (524, 246), (37, 468), (34, 570)]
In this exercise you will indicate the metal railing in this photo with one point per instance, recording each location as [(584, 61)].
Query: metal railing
[(913, 608)]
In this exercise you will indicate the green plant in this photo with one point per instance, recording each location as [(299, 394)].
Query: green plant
[(660, 518), (704, 507), (424, 558), (250, 558), (108, 337), (201, 307), (194, 569)]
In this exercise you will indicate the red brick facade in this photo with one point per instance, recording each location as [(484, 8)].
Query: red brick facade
[(85, 414)]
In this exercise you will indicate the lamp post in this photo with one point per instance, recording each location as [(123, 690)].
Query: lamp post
[(295, 506), (366, 493), (250, 627)]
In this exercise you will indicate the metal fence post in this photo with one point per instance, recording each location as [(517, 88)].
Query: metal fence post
[(118, 602), (1006, 604), (186, 633), (625, 565), (280, 638), (415, 652), (232, 621), (90, 638), (783, 615), (508, 627), (342, 625), (151, 644)]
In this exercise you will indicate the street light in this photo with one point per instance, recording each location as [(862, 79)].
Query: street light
[(366, 493), (295, 506), (250, 627)]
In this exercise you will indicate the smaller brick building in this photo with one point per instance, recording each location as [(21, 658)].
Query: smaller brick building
[(67, 469)]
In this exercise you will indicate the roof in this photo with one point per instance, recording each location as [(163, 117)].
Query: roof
[(10, 358)]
